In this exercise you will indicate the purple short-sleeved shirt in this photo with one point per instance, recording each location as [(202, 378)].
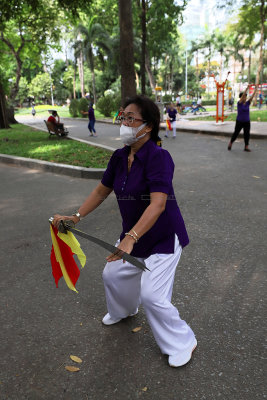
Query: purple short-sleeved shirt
[(172, 114), (151, 171), (91, 114), (243, 111)]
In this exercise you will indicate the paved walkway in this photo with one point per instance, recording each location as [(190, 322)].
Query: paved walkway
[(219, 287), (190, 125), (109, 139), (184, 124)]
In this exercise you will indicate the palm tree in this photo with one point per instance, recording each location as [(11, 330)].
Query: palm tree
[(128, 87), (78, 57), (195, 46), (94, 39), (220, 45), (235, 49), (208, 43)]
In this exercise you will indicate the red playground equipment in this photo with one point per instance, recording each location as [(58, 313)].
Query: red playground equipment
[(220, 100)]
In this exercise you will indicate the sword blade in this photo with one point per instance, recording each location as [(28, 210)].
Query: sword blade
[(69, 226), (109, 247)]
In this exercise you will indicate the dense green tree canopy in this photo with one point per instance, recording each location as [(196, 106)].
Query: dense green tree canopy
[(32, 30)]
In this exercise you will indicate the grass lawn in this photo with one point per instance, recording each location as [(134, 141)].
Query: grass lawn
[(27, 142), (260, 115), (42, 111)]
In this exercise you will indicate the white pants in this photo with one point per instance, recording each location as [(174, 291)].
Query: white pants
[(127, 287), (173, 125)]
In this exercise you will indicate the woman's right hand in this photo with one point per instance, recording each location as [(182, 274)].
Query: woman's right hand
[(58, 218)]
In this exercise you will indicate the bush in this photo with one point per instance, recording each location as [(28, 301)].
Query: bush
[(74, 108), (117, 101), (106, 105), (209, 102), (83, 107), (167, 98)]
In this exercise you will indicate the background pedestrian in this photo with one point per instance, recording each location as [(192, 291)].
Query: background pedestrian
[(243, 118)]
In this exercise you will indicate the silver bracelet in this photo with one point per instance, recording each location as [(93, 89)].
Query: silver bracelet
[(77, 214)]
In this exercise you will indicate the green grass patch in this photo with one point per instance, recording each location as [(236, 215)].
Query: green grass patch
[(42, 111), (24, 141), (260, 116)]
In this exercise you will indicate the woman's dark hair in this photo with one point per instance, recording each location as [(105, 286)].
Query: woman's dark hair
[(54, 113), (241, 94), (149, 111)]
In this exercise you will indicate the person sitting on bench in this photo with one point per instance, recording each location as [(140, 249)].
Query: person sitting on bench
[(55, 120)]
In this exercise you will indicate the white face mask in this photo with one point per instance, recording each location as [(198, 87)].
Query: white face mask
[(128, 134)]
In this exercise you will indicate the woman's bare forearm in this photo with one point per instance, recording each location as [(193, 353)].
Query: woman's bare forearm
[(96, 197)]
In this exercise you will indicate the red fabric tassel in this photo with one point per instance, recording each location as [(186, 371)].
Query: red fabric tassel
[(69, 262), (56, 270)]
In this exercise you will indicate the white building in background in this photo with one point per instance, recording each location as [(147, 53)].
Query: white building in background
[(201, 17)]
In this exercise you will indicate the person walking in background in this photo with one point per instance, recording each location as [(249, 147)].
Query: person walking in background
[(199, 104), (178, 103), (243, 118), (33, 110), (231, 103), (260, 101), (153, 230), (171, 116), (91, 123)]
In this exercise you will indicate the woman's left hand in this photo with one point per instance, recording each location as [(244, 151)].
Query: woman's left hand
[(125, 246)]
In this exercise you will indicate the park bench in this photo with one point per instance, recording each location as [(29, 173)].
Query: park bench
[(53, 130)]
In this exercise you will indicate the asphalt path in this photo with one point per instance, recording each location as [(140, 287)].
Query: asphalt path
[(219, 287)]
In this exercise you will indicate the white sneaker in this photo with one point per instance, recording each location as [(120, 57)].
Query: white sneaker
[(183, 357), (107, 320)]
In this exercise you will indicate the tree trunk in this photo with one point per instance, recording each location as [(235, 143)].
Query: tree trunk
[(221, 66), (208, 78), (137, 80), (74, 78), (143, 57), (16, 54), (128, 87), (149, 73), (3, 110), (92, 68), (82, 74), (171, 77), (262, 16), (249, 64), (15, 88), (197, 66)]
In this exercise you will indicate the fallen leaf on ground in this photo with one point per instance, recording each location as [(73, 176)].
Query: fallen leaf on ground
[(137, 329), (254, 176), (71, 368), (144, 389), (76, 359)]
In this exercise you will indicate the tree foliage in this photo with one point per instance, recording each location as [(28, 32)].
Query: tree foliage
[(40, 87)]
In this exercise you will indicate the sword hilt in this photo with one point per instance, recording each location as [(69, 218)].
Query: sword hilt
[(63, 226)]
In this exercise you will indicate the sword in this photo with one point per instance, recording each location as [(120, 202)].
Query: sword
[(68, 225)]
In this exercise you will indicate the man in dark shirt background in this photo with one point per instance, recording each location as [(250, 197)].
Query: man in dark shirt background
[(171, 116)]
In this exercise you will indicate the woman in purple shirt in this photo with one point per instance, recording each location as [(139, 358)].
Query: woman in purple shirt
[(153, 230), (171, 116), (243, 119)]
